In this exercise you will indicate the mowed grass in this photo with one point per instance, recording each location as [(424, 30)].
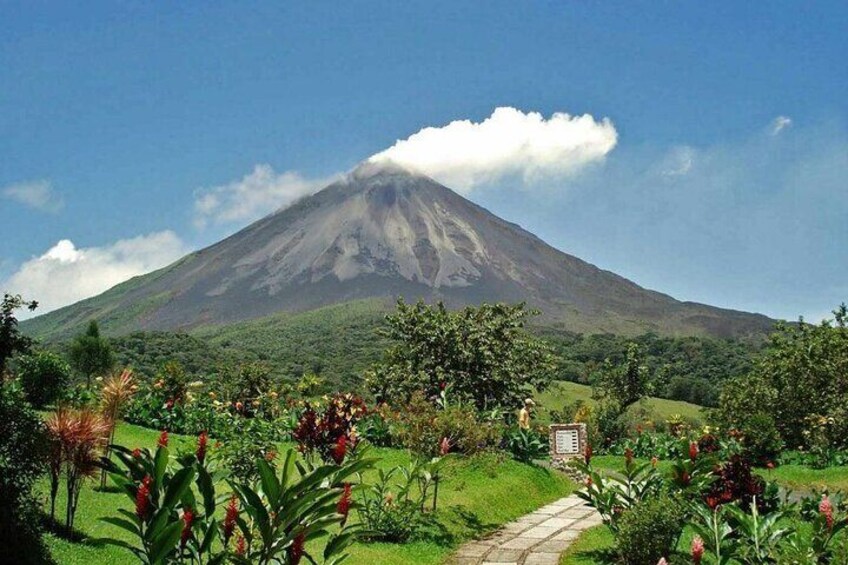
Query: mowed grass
[(476, 496), (563, 393)]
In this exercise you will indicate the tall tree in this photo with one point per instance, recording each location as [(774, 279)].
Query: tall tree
[(484, 354), (11, 339), (91, 354)]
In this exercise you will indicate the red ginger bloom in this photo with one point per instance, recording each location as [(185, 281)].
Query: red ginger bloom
[(628, 456), (684, 478), (142, 498), (241, 548), (163, 439), (343, 506), (188, 520), (295, 550), (136, 453), (587, 454), (712, 502), (826, 508), (693, 450), (697, 550), (654, 462), (202, 441), (230, 518), (340, 450)]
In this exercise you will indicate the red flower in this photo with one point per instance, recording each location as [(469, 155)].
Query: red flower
[(270, 456), (230, 518), (712, 502), (693, 451), (169, 404), (340, 450), (628, 456), (697, 550), (239, 406), (442, 385), (684, 478), (240, 546), (826, 508), (343, 506), (770, 465), (188, 520), (587, 454), (295, 550), (202, 441), (136, 453), (163, 439), (444, 447), (654, 462), (142, 498)]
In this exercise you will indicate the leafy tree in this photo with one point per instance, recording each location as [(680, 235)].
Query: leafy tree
[(44, 376), (91, 354), (22, 461), (483, 354), (627, 383), (801, 378), (11, 340)]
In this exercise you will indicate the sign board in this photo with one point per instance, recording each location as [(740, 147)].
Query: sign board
[(567, 441)]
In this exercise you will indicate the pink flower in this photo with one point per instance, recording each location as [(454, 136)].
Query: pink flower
[(697, 550), (662, 561), (163, 439), (444, 447), (770, 465), (826, 508)]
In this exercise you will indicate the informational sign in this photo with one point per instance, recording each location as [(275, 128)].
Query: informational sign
[(567, 440)]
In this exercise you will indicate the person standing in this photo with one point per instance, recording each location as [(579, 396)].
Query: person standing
[(524, 414)]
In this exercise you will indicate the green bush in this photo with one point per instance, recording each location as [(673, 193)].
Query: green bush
[(44, 377), (392, 509), (650, 530), (22, 461), (526, 445), (423, 428)]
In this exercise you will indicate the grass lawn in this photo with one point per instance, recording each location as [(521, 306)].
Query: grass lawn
[(477, 495), (564, 392)]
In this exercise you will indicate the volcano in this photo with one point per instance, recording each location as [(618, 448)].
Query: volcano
[(384, 232)]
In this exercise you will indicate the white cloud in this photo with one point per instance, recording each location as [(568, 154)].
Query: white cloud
[(257, 194), (37, 194), (65, 274), (678, 161), (464, 154), (779, 124)]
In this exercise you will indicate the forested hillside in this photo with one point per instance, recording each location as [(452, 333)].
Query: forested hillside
[(340, 342)]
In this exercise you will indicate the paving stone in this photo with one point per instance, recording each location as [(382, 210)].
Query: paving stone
[(539, 532), (553, 546), (473, 549), (520, 543), (558, 523), (504, 556), (567, 535), (542, 559)]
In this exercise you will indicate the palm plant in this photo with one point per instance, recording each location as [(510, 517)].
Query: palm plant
[(77, 437), (117, 391)]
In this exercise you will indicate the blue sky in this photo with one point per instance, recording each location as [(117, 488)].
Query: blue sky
[(726, 181)]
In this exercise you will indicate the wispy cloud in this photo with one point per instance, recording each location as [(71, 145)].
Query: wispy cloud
[(464, 154), (257, 194), (65, 274), (779, 124), (37, 194)]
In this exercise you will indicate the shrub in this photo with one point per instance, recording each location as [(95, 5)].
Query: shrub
[(22, 458), (526, 445), (650, 530), (392, 510), (246, 441), (322, 430), (44, 377), (423, 429), (760, 438)]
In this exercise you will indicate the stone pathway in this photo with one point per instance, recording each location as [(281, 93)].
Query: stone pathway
[(538, 538)]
